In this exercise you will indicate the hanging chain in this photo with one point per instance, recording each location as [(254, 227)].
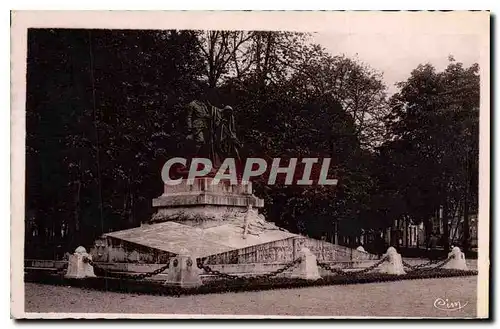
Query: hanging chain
[(209, 270), (420, 267), (424, 266), (327, 267), (339, 271), (368, 269), (138, 276)]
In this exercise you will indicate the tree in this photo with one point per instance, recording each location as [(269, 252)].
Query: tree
[(434, 131), (301, 116), (105, 111), (293, 99), (101, 108)]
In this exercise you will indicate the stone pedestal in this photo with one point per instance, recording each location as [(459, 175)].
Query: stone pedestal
[(307, 269), (183, 272), (394, 263), (202, 201), (77, 267), (458, 260)]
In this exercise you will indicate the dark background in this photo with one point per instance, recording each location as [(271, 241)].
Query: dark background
[(104, 111)]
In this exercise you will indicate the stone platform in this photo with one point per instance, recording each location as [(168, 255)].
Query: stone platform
[(221, 244), (218, 223)]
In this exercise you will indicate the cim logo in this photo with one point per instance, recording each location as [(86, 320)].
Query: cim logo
[(447, 305)]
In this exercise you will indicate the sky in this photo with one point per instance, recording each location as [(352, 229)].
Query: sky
[(396, 56)]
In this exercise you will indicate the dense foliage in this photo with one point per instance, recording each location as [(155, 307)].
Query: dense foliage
[(104, 112)]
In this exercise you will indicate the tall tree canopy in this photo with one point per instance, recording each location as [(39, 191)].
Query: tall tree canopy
[(104, 112), (433, 146)]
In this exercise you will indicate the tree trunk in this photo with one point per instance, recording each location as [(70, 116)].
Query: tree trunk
[(446, 234), (407, 234), (265, 68), (427, 230), (131, 210), (336, 236), (466, 228), (74, 227)]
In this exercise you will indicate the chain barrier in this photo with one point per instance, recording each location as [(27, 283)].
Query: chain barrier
[(243, 283), (424, 266), (327, 267), (339, 271), (138, 276), (278, 271), (441, 263), (209, 270), (368, 269), (446, 261)]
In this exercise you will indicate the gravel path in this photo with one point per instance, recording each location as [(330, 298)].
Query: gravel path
[(411, 298)]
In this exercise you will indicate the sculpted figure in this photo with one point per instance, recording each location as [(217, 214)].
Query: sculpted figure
[(255, 223), (210, 133)]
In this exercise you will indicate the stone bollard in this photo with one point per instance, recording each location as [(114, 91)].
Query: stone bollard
[(183, 271), (360, 248), (78, 268), (458, 260), (393, 264), (307, 268)]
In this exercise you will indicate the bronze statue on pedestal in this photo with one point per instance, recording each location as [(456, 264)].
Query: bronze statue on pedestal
[(210, 133)]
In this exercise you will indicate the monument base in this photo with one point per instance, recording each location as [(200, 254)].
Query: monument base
[(194, 204), (219, 224)]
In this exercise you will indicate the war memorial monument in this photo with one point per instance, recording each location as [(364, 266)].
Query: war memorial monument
[(249, 165), (207, 229), (217, 223)]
